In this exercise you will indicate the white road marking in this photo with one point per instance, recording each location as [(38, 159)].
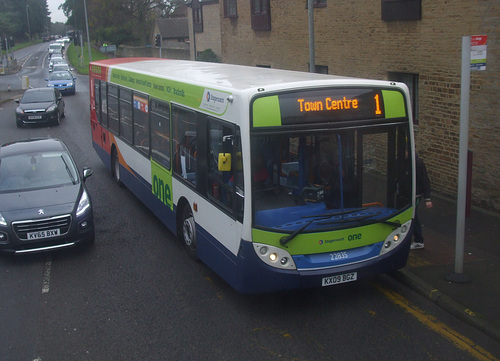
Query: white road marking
[(46, 276)]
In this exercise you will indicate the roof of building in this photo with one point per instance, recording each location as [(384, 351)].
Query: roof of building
[(173, 28)]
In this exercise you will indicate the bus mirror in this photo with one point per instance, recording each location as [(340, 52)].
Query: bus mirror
[(224, 162)]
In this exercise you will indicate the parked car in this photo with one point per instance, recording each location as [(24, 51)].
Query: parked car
[(63, 81), (40, 105), (44, 202)]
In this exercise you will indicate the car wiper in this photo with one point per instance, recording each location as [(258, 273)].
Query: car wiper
[(68, 170)]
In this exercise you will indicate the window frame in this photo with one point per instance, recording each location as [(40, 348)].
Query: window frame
[(401, 10), (230, 4), (261, 17)]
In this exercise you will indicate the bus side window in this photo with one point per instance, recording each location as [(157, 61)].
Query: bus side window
[(141, 123), (226, 187), (185, 144), (160, 132), (97, 99)]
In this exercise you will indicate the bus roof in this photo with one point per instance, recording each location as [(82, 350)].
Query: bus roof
[(229, 76)]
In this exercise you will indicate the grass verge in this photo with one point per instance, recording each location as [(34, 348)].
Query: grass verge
[(79, 61)]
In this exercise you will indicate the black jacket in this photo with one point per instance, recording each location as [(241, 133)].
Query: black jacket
[(422, 178)]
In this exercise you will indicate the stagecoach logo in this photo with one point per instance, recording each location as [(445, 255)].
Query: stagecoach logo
[(41, 212), (214, 101), (323, 241)]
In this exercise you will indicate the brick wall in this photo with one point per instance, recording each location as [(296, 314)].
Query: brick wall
[(352, 40)]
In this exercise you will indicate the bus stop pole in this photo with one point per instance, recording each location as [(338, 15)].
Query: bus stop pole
[(310, 13), (458, 276)]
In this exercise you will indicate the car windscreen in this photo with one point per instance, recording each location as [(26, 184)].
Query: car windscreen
[(32, 171), (60, 76), (38, 97), (63, 67)]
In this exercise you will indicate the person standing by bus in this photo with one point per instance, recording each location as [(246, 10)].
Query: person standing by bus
[(423, 193)]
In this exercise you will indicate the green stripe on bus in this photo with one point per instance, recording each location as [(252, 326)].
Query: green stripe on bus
[(266, 112), (332, 241), (186, 94), (394, 104), (161, 185)]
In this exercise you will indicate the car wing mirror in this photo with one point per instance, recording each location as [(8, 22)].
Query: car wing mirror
[(87, 172)]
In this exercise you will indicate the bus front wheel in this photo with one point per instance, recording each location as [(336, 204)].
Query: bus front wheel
[(189, 232), (115, 167)]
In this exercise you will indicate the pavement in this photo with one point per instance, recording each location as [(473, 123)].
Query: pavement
[(430, 269), (473, 295)]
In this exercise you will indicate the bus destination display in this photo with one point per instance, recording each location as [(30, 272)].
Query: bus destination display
[(331, 105)]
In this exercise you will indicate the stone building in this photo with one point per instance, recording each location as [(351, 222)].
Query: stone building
[(415, 41)]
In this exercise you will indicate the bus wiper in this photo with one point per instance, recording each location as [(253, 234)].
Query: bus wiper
[(395, 224), (285, 239), (328, 215)]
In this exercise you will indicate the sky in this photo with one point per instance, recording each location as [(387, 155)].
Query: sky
[(55, 14)]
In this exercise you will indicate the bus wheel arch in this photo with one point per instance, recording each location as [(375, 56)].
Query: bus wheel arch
[(115, 166), (186, 229)]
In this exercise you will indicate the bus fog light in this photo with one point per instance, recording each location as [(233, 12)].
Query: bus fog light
[(284, 261), (396, 238), (263, 250), (273, 257), (387, 244)]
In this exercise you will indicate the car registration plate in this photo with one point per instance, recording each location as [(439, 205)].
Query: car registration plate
[(337, 279), (44, 234), (33, 117)]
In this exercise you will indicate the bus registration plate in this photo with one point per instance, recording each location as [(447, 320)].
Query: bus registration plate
[(335, 280)]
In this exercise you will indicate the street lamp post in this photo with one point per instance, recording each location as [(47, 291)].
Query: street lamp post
[(87, 25), (28, 18)]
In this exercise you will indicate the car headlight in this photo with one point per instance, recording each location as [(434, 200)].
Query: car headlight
[(69, 84), (19, 110), (50, 85), (52, 108), (2, 221), (83, 204)]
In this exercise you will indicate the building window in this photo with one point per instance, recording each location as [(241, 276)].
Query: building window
[(401, 10), (230, 9), (317, 4), (261, 14), (198, 19), (411, 81), (321, 69)]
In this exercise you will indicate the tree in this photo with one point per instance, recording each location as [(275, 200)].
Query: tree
[(119, 21), (15, 14)]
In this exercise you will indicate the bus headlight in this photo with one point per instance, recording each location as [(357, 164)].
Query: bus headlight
[(395, 238), (274, 256)]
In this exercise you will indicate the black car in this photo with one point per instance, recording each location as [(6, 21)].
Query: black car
[(44, 203), (40, 105)]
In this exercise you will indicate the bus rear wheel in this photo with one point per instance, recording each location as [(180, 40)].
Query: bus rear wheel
[(189, 232)]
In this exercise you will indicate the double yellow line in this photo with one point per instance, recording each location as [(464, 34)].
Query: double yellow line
[(432, 323)]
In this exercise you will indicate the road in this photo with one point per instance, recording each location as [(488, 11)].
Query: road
[(136, 295)]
